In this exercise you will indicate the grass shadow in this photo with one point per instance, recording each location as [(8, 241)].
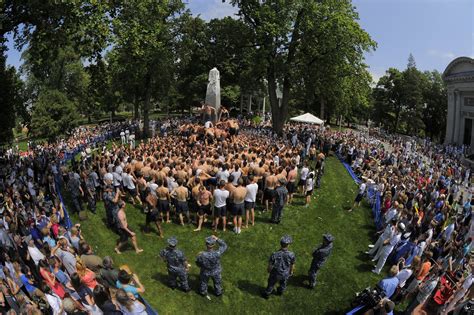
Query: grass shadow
[(250, 287), (298, 281), (365, 267)]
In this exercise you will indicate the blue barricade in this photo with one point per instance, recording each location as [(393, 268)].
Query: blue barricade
[(373, 196)]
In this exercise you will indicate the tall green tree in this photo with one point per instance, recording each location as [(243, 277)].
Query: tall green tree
[(435, 107), (143, 37), (53, 114), (8, 98), (293, 36)]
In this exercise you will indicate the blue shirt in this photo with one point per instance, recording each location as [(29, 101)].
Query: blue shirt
[(127, 288), (388, 286)]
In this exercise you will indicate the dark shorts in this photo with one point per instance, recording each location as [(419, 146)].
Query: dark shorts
[(238, 209), (291, 187), (163, 206), (229, 205), (232, 131), (268, 194), (249, 205), (132, 192), (302, 182), (359, 197), (152, 216), (205, 210), (142, 195), (220, 211), (182, 207), (309, 192), (124, 235)]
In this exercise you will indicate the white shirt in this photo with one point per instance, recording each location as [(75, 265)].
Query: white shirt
[(236, 175), (403, 276), (220, 197), (153, 188), (304, 173), (251, 192), (309, 184), (223, 175), (55, 303), (127, 181), (35, 254)]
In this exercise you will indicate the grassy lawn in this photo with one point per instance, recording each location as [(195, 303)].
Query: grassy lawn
[(245, 262)]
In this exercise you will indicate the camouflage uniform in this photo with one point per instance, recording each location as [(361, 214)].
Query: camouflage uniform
[(176, 264), (320, 255), (280, 263), (210, 264)]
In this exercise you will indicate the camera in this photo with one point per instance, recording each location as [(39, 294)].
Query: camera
[(368, 297)]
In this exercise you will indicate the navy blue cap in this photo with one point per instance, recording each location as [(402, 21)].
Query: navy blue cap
[(172, 241)]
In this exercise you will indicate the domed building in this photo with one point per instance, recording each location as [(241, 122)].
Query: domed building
[(459, 78)]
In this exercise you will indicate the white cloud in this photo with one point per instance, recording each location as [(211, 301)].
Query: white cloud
[(441, 54)]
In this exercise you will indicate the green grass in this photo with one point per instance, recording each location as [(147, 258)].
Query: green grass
[(244, 263)]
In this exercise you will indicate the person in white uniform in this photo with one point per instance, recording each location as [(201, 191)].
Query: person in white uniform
[(389, 245)]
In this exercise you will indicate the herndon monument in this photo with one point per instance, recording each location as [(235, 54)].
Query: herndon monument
[(213, 92), (459, 78)]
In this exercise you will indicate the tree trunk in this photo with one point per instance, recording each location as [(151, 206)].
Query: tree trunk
[(136, 107), (322, 108), (395, 123), (279, 110), (146, 107)]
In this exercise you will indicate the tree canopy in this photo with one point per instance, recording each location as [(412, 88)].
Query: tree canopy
[(103, 57)]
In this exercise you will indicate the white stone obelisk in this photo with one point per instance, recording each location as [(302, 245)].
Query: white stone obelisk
[(213, 93)]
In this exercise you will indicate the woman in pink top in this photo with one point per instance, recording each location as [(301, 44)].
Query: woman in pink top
[(87, 276), (50, 279)]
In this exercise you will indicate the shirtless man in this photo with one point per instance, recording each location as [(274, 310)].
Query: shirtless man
[(268, 194), (152, 213), (125, 232), (141, 184), (204, 205), (195, 184), (181, 193), (230, 188), (233, 129), (238, 198), (163, 195), (291, 178)]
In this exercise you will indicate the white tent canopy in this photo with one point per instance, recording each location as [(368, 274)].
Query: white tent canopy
[(308, 118)]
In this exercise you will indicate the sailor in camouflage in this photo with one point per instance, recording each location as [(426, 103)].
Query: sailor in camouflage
[(280, 266), (320, 255), (210, 263), (177, 265)]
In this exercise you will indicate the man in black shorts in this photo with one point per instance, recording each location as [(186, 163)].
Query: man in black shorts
[(163, 195), (204, 205), (152, 215), (124, 231), (238, 198), (181, 195)]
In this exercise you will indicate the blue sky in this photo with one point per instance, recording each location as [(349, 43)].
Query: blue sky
[(434, 31)]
